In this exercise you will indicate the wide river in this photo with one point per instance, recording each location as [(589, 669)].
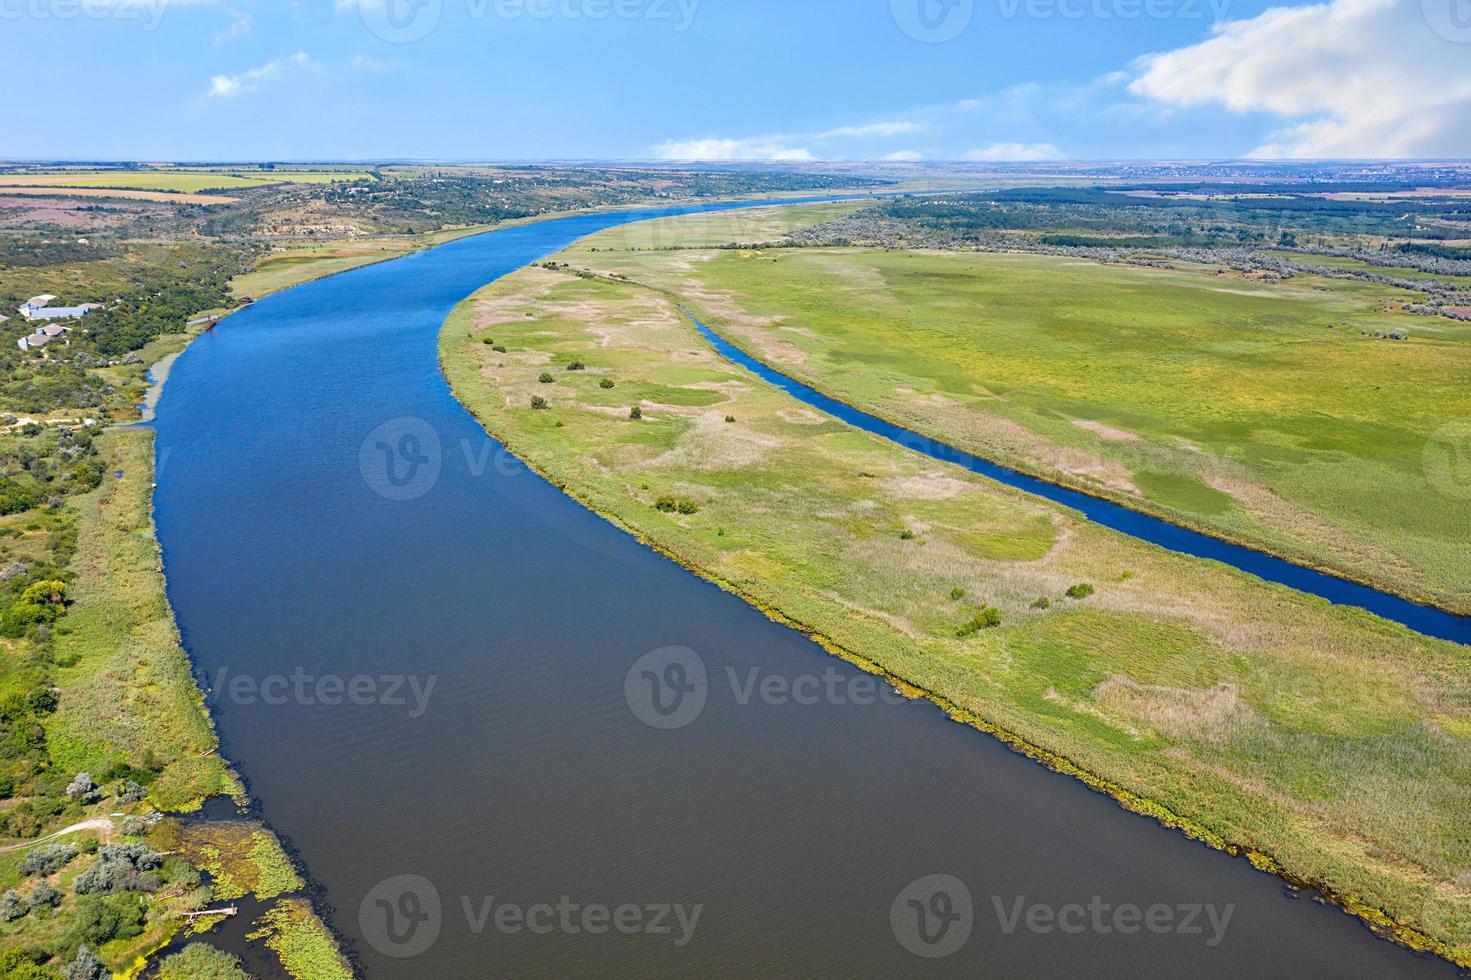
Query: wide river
[(421, 657)]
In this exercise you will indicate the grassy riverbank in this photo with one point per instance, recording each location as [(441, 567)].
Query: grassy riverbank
[(1334, 747), (129, 712), (1269, 414)]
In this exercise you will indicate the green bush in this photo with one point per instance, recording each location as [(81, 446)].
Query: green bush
[(635, 413), (539, 402), (488, 342), (956, 594), (198, 961), (577, 366), (499, 348), (605, 383), (47, 859), (1080, 591), (667, 504), (688, 507), (988, 618), (1042, 603), (730, 418), (906, 535), (545, 378)]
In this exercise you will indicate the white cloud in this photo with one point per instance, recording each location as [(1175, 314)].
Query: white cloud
[(905, 156), (1013, 152), (229, 86), (882, 129), (239, 27), (1350, 78), (773, 148)]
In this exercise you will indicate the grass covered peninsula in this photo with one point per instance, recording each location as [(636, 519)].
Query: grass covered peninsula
[(1331, 746)]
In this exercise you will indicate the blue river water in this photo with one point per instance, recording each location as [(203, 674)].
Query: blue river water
[(427, 677), (1422, 619)]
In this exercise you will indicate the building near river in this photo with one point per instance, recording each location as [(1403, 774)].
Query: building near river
[(39, 308)]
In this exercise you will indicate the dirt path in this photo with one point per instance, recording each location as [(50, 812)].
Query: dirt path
[(99, 823)]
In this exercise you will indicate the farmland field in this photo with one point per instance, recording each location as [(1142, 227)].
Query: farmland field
[(176, 181)]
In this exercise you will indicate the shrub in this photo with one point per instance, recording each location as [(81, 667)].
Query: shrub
[(688, 507), (44, 896), (605, 383), (545, 378), (47, 859), (1042, 603), (577, 366), (120, 868), (86, 967), (199, 961), (499, 348), (539, 402), (635, 413), (666, 504), (1080, 591), (12, 906), (100, 918), (906, 535), (134, 827), (988, 618), (730, 418), (131, 792), (956, 594)]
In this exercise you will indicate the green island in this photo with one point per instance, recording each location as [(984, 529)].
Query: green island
[(1327, 745), (1278, 413)]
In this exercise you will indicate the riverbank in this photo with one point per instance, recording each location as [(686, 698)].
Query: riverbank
[(129, 702), (1254, 718)]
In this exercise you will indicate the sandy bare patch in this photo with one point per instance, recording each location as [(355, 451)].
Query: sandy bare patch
[(927, 486), (1213, 712), (711, 443), (1105, 431)]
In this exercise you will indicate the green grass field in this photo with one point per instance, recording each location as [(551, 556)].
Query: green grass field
[(175, 180), (1266, 413), (1334, 743)]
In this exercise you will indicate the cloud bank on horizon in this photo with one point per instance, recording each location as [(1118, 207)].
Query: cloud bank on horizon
[(1343, 79)]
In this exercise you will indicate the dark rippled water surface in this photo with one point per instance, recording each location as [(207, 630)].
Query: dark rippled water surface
[(315, 587)]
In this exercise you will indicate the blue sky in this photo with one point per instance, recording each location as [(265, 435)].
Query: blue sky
[(752, 79)]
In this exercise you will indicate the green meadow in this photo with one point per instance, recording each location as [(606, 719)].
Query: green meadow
[(1267, 413), (1327, 744)]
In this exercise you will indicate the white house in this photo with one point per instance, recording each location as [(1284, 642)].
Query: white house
[(36, 308)]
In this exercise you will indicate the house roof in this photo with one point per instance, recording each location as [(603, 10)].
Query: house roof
[(41, 300), (52, 330), (38, 339)]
